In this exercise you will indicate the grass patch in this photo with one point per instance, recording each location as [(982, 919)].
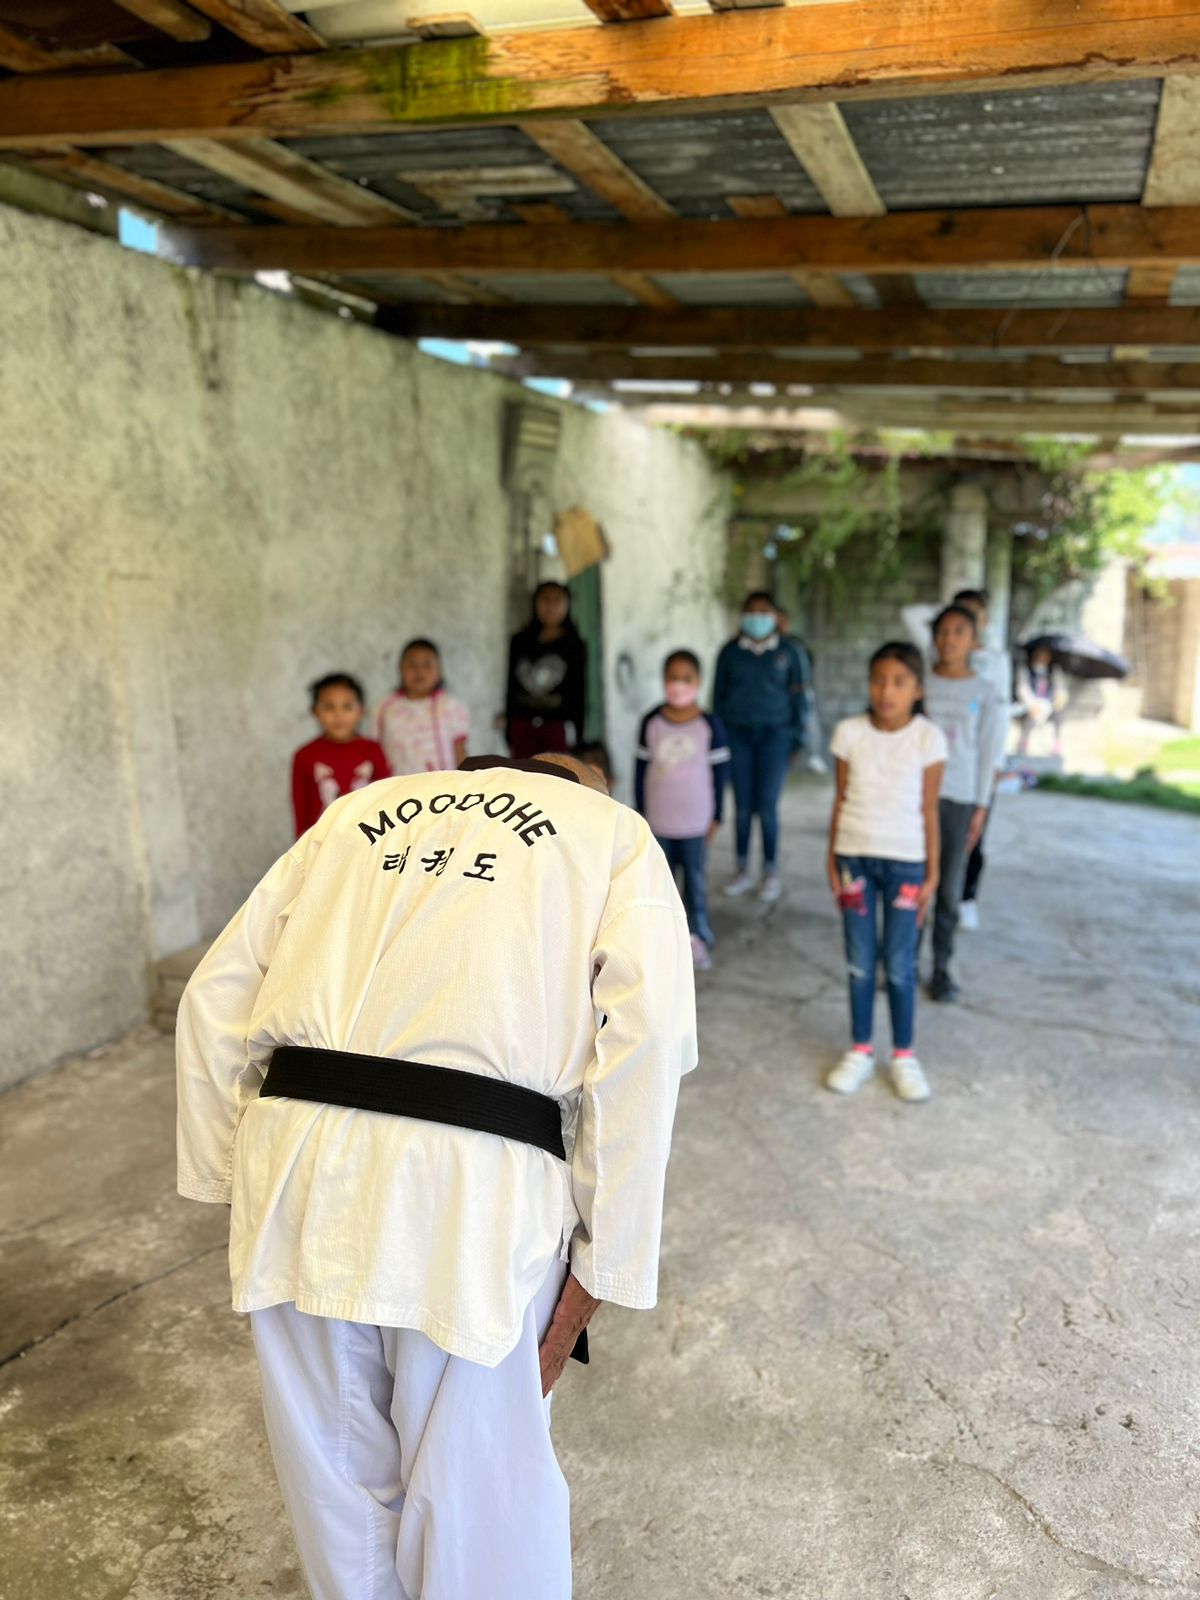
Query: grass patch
[(1145, 789), (1181, 755)]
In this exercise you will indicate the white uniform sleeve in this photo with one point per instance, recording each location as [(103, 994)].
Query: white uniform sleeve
[(918, 620), (644, 986), (215, 1078)]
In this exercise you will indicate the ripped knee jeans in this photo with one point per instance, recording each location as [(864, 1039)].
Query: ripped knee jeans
[(869, 883)]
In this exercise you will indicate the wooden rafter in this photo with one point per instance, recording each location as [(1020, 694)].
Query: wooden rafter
[(629, 10), (1079, 237), (263, 23), (545, 214), (1034, 374), (172, 17), (1172, 178), (577, 149), (85, 171), (786, 328), (820, 140), (996, 419), (273, 170), (21, 54), (822, 288), (681, 64)]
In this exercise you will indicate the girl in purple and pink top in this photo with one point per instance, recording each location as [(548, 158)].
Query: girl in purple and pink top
[(422, 727), (682, 760)]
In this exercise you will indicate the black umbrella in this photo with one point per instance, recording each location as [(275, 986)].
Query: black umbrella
[(1079, 656)]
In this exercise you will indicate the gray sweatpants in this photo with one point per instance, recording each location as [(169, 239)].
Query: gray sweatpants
[(955, 819)]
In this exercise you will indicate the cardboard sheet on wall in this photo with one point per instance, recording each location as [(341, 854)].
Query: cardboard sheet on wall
[(581, 541)]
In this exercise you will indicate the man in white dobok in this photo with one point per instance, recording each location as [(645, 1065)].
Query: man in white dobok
[(433, 1064)]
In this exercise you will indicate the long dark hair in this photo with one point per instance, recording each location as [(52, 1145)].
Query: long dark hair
[(907, 655), (533, 627)]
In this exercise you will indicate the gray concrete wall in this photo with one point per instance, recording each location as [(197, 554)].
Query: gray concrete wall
[(209, 495)]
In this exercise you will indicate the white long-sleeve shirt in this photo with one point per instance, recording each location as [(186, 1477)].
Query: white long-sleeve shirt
[(547, 948)]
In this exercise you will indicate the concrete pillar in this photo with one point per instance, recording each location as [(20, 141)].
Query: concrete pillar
[(999, 586), (964, 542)]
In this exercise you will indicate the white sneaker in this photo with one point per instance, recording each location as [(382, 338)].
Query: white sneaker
[(851, 1072), (701, 959), (908, 1078), (742, 884), (968, 916), (771, 889)]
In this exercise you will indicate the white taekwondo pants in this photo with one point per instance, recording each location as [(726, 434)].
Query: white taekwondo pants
[(410, 1474)]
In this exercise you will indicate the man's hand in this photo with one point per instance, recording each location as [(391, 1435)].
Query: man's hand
[(575, 1309), (925, 898), (975, 831), (835, 882)]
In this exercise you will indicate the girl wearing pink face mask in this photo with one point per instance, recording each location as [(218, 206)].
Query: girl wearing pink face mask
[(682, 762)]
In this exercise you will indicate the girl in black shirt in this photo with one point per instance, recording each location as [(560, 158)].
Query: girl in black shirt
[(547, 678)]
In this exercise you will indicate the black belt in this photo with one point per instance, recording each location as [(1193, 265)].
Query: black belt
[(414, 1089)]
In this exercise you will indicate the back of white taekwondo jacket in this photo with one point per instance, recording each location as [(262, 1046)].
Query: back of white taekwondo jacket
[(503, 922)]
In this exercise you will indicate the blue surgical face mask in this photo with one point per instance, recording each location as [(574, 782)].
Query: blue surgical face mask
[(759, 624)]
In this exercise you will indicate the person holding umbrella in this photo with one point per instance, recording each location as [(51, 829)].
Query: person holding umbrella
[(1042, 692)]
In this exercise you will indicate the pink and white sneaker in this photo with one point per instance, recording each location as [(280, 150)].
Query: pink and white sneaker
[(701, 960)]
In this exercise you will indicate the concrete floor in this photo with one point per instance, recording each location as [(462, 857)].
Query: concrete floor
[(941, 1352)]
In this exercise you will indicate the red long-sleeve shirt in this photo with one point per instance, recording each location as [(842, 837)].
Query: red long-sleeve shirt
[(323, 771)]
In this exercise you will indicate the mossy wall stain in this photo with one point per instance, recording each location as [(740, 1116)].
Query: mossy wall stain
[(451, 80)]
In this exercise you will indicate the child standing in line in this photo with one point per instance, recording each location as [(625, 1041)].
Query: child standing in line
[(340, 759), (421, 726), (968, 711), (682, 760), (883, 849)]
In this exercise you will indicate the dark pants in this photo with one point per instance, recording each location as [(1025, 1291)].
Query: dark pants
[(955, 819), (759, 767), (975, 863), (691, 856), (535, 736), (867, 881)]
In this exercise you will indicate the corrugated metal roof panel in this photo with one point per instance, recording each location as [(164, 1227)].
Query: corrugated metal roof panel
[(378, 158), (694, 162), (1021, 147), (1049, 287), (1185, 290), (567, 289), (732, 288), (154, 161)]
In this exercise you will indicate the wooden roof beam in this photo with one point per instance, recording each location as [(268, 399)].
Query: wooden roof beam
[(1033, 374), (794, 54), (281, 174), (1080, 237), (1173, 176), (822, 288), (172, 17), (919, 330), (263, 23), (18, 53)]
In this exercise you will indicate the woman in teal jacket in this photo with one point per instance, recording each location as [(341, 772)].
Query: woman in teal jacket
[(758, 694)]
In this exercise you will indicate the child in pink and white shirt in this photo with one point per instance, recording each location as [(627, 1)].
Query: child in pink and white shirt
[(421, 726)]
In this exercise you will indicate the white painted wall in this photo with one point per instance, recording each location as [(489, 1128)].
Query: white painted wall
[(209, 495)]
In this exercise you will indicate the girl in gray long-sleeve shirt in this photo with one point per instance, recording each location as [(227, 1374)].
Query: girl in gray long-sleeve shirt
[(968, 711)]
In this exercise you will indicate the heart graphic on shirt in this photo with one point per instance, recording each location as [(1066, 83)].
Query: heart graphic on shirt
[(675, 749), (541, 676)]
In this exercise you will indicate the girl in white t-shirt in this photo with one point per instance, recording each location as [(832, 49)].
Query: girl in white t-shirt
[(422, 727), (884, 850)]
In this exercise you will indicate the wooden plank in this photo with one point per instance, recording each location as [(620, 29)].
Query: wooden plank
[(997, 421), (263, 23), (577, 149), (1034, 374), (281, 174), (822, 288), (171, 17), (84, 171), (1151, 283), (870, 49), (1074, 237), (784, 327), (1173, 178), (822, 143), (21, 54), (444, 25), (629, 10), (643, 289)]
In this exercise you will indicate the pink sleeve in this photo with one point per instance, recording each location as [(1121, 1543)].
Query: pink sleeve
[(458, 718)]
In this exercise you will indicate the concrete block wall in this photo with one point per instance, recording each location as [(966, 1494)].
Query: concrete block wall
[(209, 495)]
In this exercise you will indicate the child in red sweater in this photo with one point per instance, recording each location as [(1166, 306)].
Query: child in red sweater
[(341, 759)]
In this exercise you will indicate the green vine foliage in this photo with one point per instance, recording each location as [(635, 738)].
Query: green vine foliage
[(858, 533), (1080, 518)]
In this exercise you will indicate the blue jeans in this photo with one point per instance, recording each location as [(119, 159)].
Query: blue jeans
[(759, 766), (867, 880), (692, 856)]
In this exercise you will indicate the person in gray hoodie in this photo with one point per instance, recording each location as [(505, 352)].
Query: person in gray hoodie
[(967, 709)]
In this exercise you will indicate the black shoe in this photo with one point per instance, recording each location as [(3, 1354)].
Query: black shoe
[(942, 987)]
